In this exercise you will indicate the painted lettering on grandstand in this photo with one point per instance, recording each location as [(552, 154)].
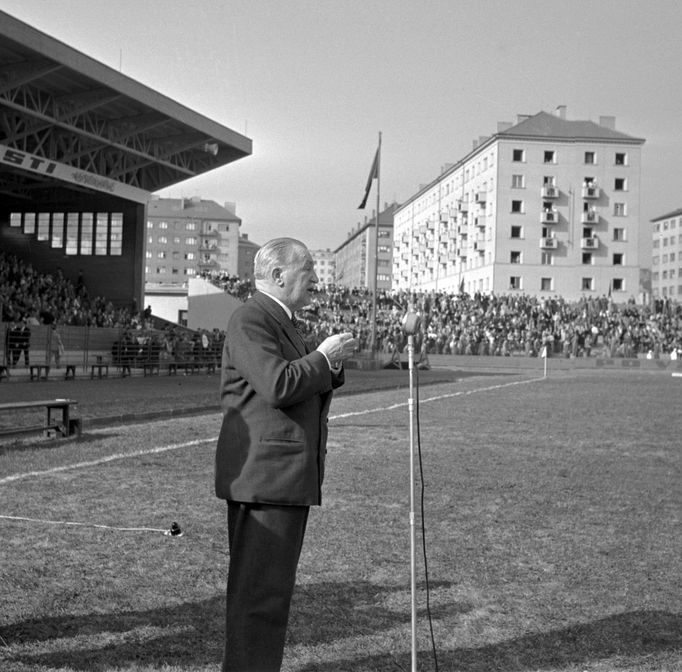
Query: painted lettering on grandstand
[(37, 164)]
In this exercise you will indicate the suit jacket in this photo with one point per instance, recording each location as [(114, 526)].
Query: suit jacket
[(275, 396)]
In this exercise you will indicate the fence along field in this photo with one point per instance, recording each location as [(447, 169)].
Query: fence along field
[(552, 513)]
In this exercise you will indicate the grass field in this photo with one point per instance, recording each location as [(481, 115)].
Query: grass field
[(552, 517)]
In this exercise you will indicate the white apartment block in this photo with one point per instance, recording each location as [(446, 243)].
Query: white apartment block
[(187, 236), (325, 266), (666, 256), (545, 207)]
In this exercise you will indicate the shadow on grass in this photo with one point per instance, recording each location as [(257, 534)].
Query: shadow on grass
[(190, 635)]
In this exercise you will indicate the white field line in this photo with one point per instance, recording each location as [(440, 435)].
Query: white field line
[(68, 522), (188, 444)]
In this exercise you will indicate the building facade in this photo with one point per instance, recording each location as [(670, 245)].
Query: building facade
[(355, 258), (546, 207), (325, 266), (666, 256), (188, 236), (247, 253)]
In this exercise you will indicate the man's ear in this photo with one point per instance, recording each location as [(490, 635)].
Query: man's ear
[(276, 276)]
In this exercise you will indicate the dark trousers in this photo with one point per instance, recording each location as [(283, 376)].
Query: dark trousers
[(265, 545)]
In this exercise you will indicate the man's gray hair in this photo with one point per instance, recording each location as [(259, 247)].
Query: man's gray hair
[(276, 253)]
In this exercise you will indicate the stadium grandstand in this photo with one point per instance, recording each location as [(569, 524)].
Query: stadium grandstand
[(82, 148)]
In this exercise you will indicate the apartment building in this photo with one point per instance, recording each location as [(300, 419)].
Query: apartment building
[(325, 266), (355, 257), (546, 206), (188, 236), (666, 256)]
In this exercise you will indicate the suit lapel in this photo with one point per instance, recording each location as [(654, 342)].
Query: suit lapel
[(274, 309)]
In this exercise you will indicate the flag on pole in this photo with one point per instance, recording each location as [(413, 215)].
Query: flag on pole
[(373, 174)]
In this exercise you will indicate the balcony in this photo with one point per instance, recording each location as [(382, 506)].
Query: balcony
[(549, 216), (590, 216), (549, 191), (589, 243), (479, 246), (549, 243), (481, 197), (590, 191), (462, 253)]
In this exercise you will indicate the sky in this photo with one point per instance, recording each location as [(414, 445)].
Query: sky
[(314, 82)]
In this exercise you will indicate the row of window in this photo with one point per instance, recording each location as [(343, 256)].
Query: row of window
[(667, 241), (518, 207), (187, 226), (163, 270), (77, 233), (163, 254), (666, 275), (669, 291), (617, 259), (664, 259), (552, 156), (667, 224), (518, 181), (547, 284), (618, 233)]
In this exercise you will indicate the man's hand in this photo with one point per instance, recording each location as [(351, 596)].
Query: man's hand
[(338, 348)]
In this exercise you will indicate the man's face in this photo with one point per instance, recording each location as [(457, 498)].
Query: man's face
[(299, 279)]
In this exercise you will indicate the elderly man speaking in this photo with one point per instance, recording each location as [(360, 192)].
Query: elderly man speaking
[(275, 395)]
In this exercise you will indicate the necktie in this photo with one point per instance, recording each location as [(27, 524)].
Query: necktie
[(298, 326)]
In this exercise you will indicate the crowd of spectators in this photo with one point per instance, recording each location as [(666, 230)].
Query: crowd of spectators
[(485, 324), (451, 323), (38, 298)]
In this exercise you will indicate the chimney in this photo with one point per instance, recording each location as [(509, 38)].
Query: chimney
[(522, 117), (561, 111), (503, 126), (608, 122)]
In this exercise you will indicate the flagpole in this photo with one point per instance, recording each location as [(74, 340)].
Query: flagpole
[(376, 255)]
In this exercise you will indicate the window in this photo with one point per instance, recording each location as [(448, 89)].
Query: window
[(102, 233), (116, 234), (163, 225), (515, 258), (619, 234), (619, 184), (57, 229), (517, 206), (546, 284), (590, 157), (515, 282), (618, 259), (516, 232), (190, 241), (619, 210), (72, 233), (586, 284), (176, 240), (517, 182), (86, 233), (162, 239), (546, 258), (621, 159), (191, 226), (518, 155), (618, 285), (43, 226), (189, 256), (587, 258), (148, 254), (15, 219), (29, 222)]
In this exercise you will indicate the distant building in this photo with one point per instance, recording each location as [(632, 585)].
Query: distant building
[(188, 236), (666, 256), (546, 207), (325, 266), (247, 252), (356, 256)]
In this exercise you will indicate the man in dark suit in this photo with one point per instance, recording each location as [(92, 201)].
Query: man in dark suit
[(275, 394)]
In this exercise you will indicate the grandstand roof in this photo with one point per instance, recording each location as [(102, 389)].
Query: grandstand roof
[(57, 104)]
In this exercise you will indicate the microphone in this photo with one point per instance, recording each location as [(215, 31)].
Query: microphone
[(411, 323)]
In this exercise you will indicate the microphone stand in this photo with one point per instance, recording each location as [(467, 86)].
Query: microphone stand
[(411, 323)]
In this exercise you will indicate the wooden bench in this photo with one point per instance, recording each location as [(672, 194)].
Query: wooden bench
[(64, 425), (151, 368), (102, 370), (36, 371)]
